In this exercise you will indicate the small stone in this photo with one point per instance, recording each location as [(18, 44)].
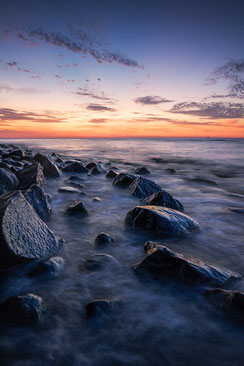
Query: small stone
[(77, 208), (142, 171), (103, 238), (111, 174), (68, 190), (99, 308)]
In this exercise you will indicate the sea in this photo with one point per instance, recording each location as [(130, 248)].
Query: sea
[(156, 323)]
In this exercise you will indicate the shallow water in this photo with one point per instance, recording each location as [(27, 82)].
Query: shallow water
[(156, 324)]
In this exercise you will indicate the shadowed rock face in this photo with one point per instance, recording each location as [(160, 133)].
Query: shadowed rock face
[(24, 237), (111, 174), (99, 308), (143, 187), (124, 180), (163, 199), (36, 196), (142, 171), (8, 181), (30, 175), (165, 263), (161, 220), (230, 301), (100, 261), (75, 168), (51, 267), (50, 169), (103, 238), (77, 209)]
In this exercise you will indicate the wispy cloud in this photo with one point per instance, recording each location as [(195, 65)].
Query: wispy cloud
[(8, 115), (17, 90), (210, 110), (151, 99), (99, 108), (11, 64), (86, 93), (98, 120)]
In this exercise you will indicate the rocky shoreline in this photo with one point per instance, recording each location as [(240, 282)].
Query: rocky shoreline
[(28, 245)]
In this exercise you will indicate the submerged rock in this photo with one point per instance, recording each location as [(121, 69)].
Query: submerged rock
[(111, 174), (51, 267), (142, 171), (77, 208), (24, 310), (68, 190), (164, 262), (100, 261), (24, 236), (164, 199), (237, 209), (8, 181), (143, 187), (103, 238), (38, 199), (76, 178), (99, 308), (203, 181), (75, 167), (124, 180), (161, 220), (170, 170), (230, 301), (30, 175)]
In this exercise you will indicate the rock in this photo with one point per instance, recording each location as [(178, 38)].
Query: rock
[(38, 199), (170, 170), (99, 167), (20, 153), (161, 220), (59, 161), (24, 236), (149, 246), (75, 167), (24, 310), (237, 209), (77, 208), (203, 181), (99, 308), (96, 199), (142, 171), (51, 267), (100, 261), (50, 169), (75, 178), (5, 165), (111, 174), (74, 184), (164, 199), (68, 190), (30, 175), (230, 301), (124, 180), (103, 238), (95, 171), (164, 262), (8, 181), (143, 187)]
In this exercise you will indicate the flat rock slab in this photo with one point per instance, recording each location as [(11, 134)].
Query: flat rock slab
[(161, 220), (68, 190), (24, 236), (143, 187), (164, 199), (8, 181), (30, 175), (165, 263)]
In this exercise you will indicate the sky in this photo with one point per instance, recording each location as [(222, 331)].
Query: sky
[(77, 69)]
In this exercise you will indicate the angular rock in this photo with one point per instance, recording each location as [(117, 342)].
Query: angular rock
[(165, 263), (124, 180), (8, 181), (95, 171), (24, 236), (230, 301), (170, 170), (103, 238), (75, 167), (24, 310), (30, 175), (38, 199), (142, 171), (77, 208), (111, 174), (143, 187), (161, 220), (50, 169), (50, 267), (99, 308), (75, 178), (100, 261), (164, 199), (20, 153)]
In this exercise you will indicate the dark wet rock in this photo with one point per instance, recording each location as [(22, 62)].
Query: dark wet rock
[(95, 171), (143, 187), (50, 267), (203, 181), (75, 167), (30, 175), (77, 208), (15, 169), (142, 171), (93, 165), (124, 180), (227, 300), (99, 308), (19, 153), (103, 238), (111, 174), (8, 181), (38, 199), (24, 310), (164, 199), (100, 261), (165, 263), (170, 170), (54, 155), (24, 236), (237, 209), (76, 178), (5, 165), (59, 161), (161, 220), (68, 190), (149, 246), (50, 169), (74, 184)]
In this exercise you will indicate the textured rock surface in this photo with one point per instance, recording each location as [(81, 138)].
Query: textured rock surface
[(50, 169), (124, 180), (161, 220), (31, 175), (24, 236), (38, 199), (164, 199), (8, 181), (164, 262), (143, 187)]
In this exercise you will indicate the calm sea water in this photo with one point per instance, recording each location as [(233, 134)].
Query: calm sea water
[(157, 324)]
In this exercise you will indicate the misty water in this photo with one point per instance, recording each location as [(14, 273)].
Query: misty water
[(155, 323)]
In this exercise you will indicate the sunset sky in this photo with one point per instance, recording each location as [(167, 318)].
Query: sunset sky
[(121, 68)]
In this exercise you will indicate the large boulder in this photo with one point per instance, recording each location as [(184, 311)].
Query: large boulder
[(24, 237), (8, 181), (24, 310), (30, 175), (38, 199), (75, 168), (50, 169), (143, 187), (165, 263), (161, 220), (124, 180), (164, 199)]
